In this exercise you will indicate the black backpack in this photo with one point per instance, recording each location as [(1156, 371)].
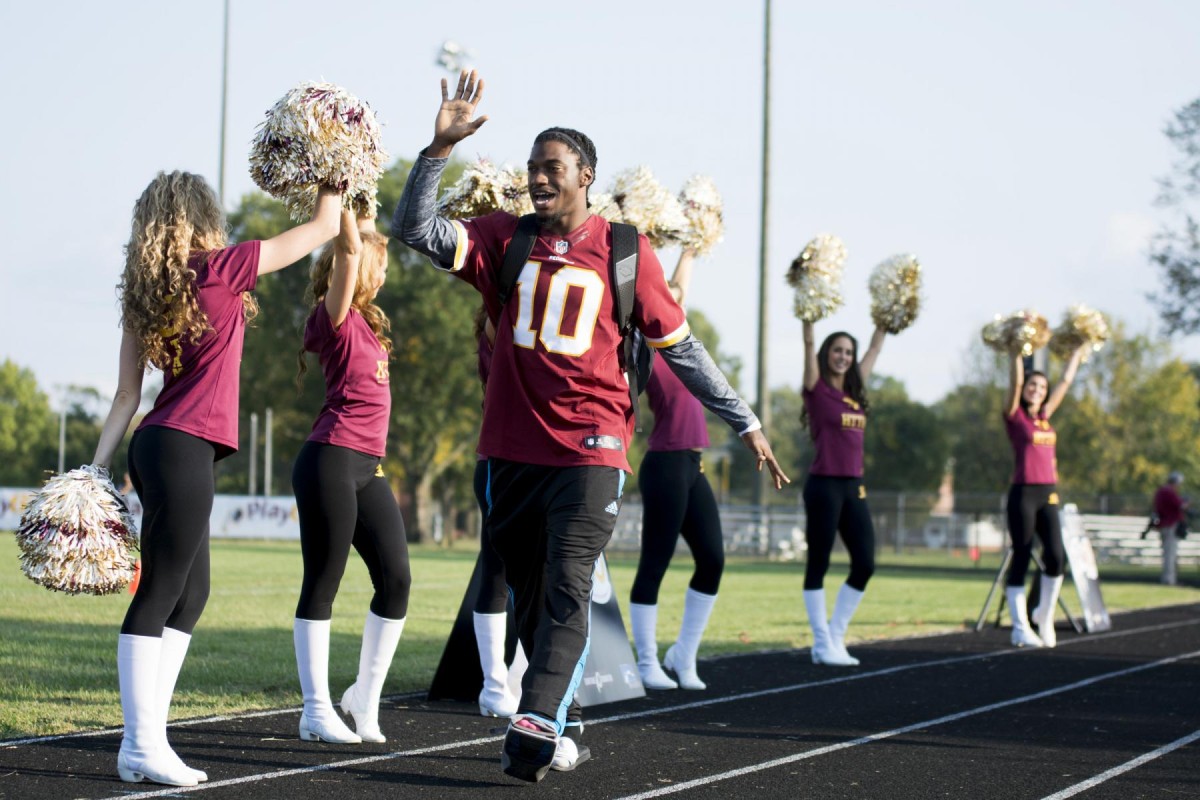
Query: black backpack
[(637, 358)]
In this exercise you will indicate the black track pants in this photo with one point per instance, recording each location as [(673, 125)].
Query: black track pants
[(1033, 508), (833, 505)]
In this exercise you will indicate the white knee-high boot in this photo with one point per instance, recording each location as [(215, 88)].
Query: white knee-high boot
[(318, 722), (681, 656), (495, 700), (1048, 590), (643, 619), (143, 755), (174, 650), (843, 611), (361, 700), (823, 651), (1022, 634)]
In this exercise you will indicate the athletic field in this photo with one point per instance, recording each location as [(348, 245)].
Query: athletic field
[(933, 711)]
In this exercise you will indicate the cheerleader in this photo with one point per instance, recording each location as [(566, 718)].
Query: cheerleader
[(1033, 505), (835, 499), (490, 615), (342, 495), (185, 299), (676, 499)]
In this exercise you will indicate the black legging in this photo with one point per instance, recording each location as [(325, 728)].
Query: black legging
[(1033, 508), (833, 505), (493, 593), (676, 498), (343, 500), (172, 472)]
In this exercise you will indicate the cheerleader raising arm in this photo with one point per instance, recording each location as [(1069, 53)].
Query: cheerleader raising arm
[(295, 243), (867, 363), (812, 372), (1064, 383), (347, 255)]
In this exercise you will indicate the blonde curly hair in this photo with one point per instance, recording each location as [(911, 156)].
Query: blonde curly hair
[(372, 263), (177, 215)]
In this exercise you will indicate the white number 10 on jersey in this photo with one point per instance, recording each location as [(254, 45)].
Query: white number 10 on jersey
[(550, 328)]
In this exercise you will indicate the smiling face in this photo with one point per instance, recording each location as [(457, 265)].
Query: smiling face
[(1034, 392), (841, 354), (558, 186)]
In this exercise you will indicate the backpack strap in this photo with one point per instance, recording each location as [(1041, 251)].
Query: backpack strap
[(624, 279), (516, 254)]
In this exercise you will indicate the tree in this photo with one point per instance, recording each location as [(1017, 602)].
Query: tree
[(1134, 416), (970, 416), (1176, 247), (906, 445), (26, 426)]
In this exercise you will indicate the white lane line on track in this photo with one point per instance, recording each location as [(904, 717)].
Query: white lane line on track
[(667, 710), (916, 726), (271, 712), (1071, 791), (1095, 637)]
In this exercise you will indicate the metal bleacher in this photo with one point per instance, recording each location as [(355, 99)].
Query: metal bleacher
[(1118, 539)]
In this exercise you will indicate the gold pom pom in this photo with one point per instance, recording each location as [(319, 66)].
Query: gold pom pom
[(318, 134), (484, 188), (816, 275), (701, 204), (1020, 332), (649, 207), (1080, 326), (77, 536), (895, 287)]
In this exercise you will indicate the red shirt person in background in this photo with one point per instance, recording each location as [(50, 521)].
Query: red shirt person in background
[(1170, 510)]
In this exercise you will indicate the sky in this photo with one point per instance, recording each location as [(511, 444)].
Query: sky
[(1013, 147)]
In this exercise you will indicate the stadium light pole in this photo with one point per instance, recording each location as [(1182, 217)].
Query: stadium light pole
[(224, 93), (764, 397)]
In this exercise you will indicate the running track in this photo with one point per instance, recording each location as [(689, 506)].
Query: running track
[(1112, 715)]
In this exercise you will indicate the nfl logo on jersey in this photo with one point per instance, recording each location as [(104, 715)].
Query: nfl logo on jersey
[(561, 246)]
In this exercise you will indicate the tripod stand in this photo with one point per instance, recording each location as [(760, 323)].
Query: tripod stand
[(1008, 555)]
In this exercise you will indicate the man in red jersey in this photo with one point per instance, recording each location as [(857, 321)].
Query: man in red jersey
[(557, 415)]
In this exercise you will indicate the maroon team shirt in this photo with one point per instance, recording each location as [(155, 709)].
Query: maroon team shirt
[(678, 415), (358, 399), (555, 381), (200, 385), (838, 426), (1168, 507), (1033, 442)]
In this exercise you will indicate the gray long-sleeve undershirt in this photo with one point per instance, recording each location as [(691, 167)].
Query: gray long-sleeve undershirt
[(417, 224)]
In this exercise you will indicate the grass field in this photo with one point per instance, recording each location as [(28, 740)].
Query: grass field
[(58, 653)]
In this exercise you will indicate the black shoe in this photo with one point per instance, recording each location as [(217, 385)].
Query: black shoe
[(529, 748)]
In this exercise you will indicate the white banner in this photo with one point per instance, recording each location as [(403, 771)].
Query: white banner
[(234, 516)]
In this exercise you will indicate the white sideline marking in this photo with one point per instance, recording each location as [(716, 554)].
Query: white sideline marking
[(272, 712), (916, 726), (684, 706), (1071, 791)]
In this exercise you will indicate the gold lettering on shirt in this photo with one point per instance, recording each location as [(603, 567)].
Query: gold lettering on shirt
[(381, 371), (848, 401), (1044, 438), (172, 341), (856, 421)]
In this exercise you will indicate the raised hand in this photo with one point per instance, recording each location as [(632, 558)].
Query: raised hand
[(454, 119), (348, 240)]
